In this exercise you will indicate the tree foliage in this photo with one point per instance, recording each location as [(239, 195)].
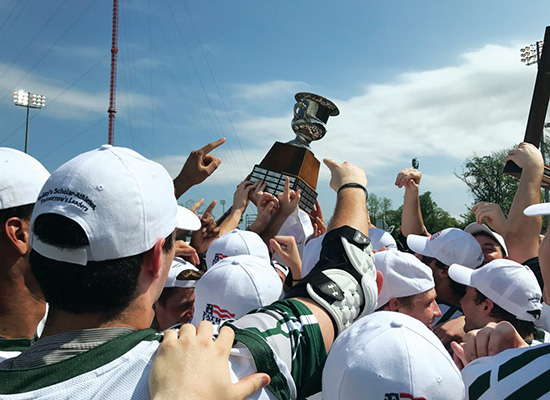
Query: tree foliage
[(435, 218), (486, 180)]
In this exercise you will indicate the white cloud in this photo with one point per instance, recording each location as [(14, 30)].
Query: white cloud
[(74, 104), (479, 105)]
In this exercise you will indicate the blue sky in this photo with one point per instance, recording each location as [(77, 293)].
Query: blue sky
[(436, 80)]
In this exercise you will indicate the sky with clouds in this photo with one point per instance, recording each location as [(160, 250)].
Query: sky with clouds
[(434, 80)]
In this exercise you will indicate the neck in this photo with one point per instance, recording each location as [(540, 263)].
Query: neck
[(135, 316), (21, 302)]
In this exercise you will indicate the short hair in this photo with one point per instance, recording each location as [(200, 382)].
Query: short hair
[(458, 289), (524, 328), (487, 235), (185, 275), (103, 287), (23, 212)]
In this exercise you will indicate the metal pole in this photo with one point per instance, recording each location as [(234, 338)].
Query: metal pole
[(27, 124)]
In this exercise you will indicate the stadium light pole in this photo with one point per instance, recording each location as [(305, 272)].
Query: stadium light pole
[(28, 100), (531, 55)]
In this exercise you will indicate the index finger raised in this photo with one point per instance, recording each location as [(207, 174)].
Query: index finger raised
[(212, 145)]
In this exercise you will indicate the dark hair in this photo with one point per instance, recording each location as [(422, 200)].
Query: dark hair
[(458, 289), (482, 233), (524, 328), (103, 287), (186, 275), (23, 212)]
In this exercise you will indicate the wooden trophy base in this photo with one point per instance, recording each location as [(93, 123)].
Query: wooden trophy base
[(298, 164), (511, 168)]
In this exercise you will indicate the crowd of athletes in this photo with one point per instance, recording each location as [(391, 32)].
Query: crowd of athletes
[(105, 284)]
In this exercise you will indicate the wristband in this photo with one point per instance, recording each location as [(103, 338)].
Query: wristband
[(353, 185)]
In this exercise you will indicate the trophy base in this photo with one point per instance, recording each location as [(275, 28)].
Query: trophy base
[(511, 168), (275, 184)]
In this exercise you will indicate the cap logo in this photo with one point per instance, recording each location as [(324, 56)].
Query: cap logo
[(399, 396), (67, 196), (216, 314), (218, 257), (434, 236)]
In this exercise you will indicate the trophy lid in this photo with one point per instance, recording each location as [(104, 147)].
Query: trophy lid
[(325, 107)]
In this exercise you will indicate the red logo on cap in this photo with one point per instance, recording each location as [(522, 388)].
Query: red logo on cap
[(218, 257), (435, 235), (399, 396)]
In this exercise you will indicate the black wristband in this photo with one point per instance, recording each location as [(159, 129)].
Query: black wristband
[(353, 185)]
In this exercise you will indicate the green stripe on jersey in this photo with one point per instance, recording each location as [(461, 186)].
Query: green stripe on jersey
[(14, 344), (518, 362), (534, 389), (25, 380), (264, 359), (479, 386)]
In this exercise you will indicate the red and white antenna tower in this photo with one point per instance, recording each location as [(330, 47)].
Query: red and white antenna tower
[(112, 93)]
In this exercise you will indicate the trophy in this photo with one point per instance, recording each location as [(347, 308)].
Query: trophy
[(295, 159), (539, 106)]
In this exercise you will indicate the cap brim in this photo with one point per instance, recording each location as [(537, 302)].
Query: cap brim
[(419, 244), (461, 274), (187, 220), (537, 209)]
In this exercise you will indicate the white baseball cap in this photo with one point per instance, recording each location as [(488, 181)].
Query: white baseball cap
[(537, 209), (474, 228), (404, 275), (389, 355), (298, 224), (178, 266), (510, 285), (236, 243), (379, 239), (449, 246), (21, 178), (123, 202), (235, 286)]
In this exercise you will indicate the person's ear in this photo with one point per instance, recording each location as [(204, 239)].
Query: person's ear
[(393, 304), (488, 306), (17, 232), (152, 260)]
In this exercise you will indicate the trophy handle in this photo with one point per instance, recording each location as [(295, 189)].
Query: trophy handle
[(303, 114)]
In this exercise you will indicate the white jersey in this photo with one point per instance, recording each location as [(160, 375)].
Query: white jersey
[(512, 374), (119, 368)]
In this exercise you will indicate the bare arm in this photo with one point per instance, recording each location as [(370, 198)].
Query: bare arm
[(522, 232), (411, 217)]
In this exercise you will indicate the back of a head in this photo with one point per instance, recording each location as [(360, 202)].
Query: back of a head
[(388, 355), (404, 275), (94, 219), (21, 178), (236, 243), (235, 286)]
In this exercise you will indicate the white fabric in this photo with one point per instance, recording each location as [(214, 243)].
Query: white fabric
[(508, 284), (123, 202), (500, 387), (312, 252), (449, 246), (298, 224), (233, 287), (389, 353), (404, 275), (380, 239), (21, 178), (236, 243), (178, 266)]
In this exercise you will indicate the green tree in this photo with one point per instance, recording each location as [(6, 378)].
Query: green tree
[(487, 181), (435, 218)]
